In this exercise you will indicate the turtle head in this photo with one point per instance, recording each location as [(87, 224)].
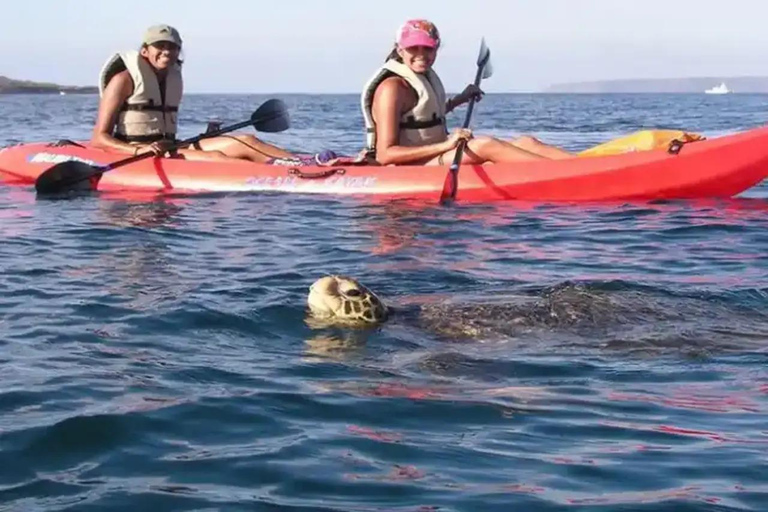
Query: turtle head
[(340, 299)]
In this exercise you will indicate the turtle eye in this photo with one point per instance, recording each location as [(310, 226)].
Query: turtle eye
[(354, 292)]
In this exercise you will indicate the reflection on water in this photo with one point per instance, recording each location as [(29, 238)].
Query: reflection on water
[(136, 268), (328, 346), (143, 214)]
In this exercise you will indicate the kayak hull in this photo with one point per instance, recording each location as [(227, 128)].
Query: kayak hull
[(713, 168)]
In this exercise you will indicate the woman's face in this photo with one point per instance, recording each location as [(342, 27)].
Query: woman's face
[(418, 58), (161, 55)]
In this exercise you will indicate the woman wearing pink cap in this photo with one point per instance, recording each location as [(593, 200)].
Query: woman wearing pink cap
[(404, 105)]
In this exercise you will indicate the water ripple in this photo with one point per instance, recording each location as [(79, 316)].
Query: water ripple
[(155, 353)]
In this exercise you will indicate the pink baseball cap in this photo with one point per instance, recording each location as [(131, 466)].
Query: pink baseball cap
[(418, 33)]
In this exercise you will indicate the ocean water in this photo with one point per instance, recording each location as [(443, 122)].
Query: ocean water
[(154, 354)]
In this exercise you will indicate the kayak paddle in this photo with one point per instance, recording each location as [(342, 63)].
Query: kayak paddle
[(270, 117), (484, 70)]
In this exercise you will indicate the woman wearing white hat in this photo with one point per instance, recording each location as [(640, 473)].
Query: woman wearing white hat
[(140, 96)]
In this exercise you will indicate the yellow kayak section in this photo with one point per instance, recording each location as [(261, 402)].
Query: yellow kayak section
[(643, 140)]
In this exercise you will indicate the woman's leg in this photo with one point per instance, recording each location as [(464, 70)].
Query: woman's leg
[(245, 147), (484, 149), (535, 146), (205, 156)]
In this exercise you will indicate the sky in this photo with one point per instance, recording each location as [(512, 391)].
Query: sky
[(334, 46)]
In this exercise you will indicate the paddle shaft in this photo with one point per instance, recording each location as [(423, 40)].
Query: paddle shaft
[(178, 145), (452, 179), (467, 119)]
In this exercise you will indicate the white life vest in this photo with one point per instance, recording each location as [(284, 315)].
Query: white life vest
[(149, 114), (424, 123)]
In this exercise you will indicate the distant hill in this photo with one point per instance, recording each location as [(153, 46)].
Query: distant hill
[(10, 86), (737, 84)]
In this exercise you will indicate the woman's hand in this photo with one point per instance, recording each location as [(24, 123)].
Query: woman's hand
[(457, 136), (469, 92), (159, 148)]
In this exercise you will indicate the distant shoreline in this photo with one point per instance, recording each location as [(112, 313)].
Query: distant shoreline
[(11, 86), (694, 85), (687, 85)]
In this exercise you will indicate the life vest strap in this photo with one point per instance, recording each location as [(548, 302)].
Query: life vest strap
[(148, 108), (412, 124), (142, 139)]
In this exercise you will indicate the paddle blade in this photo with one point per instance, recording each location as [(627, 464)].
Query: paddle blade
[(487, 70), (70, 175), (484, 60), (271, 117)]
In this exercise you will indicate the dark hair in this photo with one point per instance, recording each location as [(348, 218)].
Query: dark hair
[(394, 55)]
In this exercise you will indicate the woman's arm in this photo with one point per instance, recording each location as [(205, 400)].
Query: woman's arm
[(118, 90), (451, 104), (469, 92), (389, 102)]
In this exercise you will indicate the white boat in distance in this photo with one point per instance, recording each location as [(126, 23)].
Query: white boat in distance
[(718, 89)]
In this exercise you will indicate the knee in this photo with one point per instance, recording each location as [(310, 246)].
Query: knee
[(247, 139), (213, 154), (526, 140), (480, 145)]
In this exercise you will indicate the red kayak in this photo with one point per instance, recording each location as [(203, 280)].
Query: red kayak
[(712, 168)]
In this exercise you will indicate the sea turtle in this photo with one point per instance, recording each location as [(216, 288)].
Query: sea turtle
[(342, 300), (574, 315)]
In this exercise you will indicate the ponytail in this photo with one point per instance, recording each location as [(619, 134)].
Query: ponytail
[(393, 55)]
